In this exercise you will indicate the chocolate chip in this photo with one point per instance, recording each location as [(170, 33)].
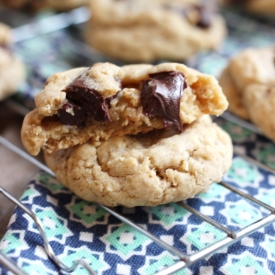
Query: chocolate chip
[(83, 100), (71, 114), (90, 100), (197, 15), (204, 20), (160, 97)]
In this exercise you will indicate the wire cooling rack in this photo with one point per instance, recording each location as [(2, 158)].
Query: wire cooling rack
[(186, 260)]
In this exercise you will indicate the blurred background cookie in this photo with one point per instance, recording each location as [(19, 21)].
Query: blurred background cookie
[(249, 85), (145, 31), (12, 71)]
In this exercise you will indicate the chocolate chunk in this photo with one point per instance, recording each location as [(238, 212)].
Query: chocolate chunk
[(83, 100), (204, 19), (71, 114), (160, 97), (90, 100), (198, 15)]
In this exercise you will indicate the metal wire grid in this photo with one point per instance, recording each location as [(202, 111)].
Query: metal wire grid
[(185, 260)]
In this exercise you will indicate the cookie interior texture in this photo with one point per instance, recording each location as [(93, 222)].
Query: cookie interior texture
[(146, 169), (144, 31), (115, 93), (248, 83), (12, 69)]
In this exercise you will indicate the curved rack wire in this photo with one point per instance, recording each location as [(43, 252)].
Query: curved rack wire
[(185, 260)]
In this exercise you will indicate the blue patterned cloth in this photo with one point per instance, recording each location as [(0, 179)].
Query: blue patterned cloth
[(78, 229)]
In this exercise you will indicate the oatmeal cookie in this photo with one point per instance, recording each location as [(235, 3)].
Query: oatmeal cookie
[(146, 169), (106, 100), (145, 31), (12, 70), (248, 83)]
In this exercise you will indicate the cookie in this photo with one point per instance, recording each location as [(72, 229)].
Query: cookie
[(145, 31), (42, 4), (248, 83), (106, 100), (233, 95), (261, 7), (12, 71), (146, 169), (5, 35)]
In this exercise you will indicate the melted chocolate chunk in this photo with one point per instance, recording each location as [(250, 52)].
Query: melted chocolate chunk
[(160, 97), (71, 114), (90, 100), (83, 100)]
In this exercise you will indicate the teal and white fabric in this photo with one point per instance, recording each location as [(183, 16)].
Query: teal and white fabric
[(79, 229)]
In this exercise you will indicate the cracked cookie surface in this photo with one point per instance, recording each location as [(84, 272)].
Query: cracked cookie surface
[(146, 169), (105, 100), (12, 70), (249, 85), (145, 31)]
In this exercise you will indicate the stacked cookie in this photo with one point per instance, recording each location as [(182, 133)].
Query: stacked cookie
[(146, 31), (131, 135), (12, 71), (249, 84)]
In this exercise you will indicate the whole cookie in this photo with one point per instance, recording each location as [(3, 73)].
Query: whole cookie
[(106, 100), (147, 169), (12, 70), (144, 31), (41, 4), (248, 83), (261, 7)]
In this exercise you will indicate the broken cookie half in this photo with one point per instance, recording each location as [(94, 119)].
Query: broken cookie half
[(105, 100)]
